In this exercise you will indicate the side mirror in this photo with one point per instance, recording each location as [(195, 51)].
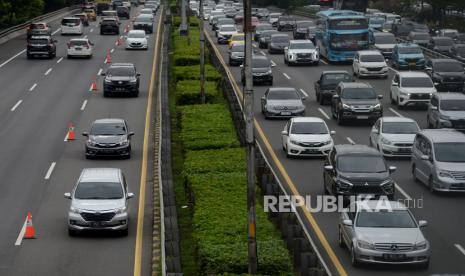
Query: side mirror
[(380, 97), (242, 66), (335, 96), (429, 69), (376, 131), (138, 75), (347, 222), (103, 74), (392, 169), (286, 48), (422, 223), (273, 65), (55, 41), (329, 168), (395, 84), (425, 157), (131, 133), (284, 133), (85, 134), (263, 98), (304, 98), (129, 195), (434, 107), (68, 195), (332, 132)]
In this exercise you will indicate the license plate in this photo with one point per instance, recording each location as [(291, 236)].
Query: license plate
[(286, 113), (404, 150), (120, 89), (96, 224), (362, 117), (78, 48), (394, 257), (412, 64)]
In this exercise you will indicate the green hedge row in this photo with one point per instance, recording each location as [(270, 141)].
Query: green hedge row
[(193, 21), (188, 92), (193, 73)]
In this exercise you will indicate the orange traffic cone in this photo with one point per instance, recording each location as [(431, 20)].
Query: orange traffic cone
[(71, 132), (30, 231), (93, 86), (126, 29), (119, 42), (108, 58)]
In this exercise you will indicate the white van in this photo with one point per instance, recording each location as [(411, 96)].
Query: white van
[(72, 25)]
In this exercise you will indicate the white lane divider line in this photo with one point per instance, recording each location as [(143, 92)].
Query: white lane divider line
[(394, 70), (324, 113), (287, 76), (83, 106), (50, 170), (91, 30), (324, 61), (48, 71), (303, 92), (100, 72), (21, 234), (404, 193), (85, 36), (350, 140), (460, 248), (59, 29), (58, 61), (395, 112), (16, 105), (33, 87), (112, 50), (273, 63), (263, 53), (11, 58)]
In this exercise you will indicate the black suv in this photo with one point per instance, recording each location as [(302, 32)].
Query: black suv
[(301, 29), (121, 78), (447, 74), (143, 22), (356, 101), (325, 86), (108, 137), (109, 26), (286, 23), (261, 70), (356, 170), (123, 12), (41, 46)]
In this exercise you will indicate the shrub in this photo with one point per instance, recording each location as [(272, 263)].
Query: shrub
[(218, 161), (193, 21), (193, 73), (188, 92)]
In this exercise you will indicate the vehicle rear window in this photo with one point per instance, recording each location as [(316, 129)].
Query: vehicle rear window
[(371, 58), (309, 128), (37, 26), (444, 41), (98, 190), (78, 43), (283, 95), (452, 105), (357, 163), (238, 48), (70, 21), (416, 82), (450, 152), (108, 129), (38, 41), (121, 71), (359, 93)]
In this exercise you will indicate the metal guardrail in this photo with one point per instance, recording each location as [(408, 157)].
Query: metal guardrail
[(43, 17)]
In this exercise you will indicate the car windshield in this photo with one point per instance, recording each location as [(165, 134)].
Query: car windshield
[(348, 24), (453, 105), (410, 50), (283, 95), (450, 152), (444, 41), (371, 58), (301, 46), (228, 29), (136, 34), (144, 19), (146, 11), (109, 13), (305, 24), (400, 128), (286, 18), (99, 190), (260, 63), (280, 39), (336, 78), (108, 129), (121, 71), (309, 128), (416, 82), (359, 93), (357, 163), (263, 27), (385, 219), (89, 10), (424, 36), (385, 39), (238, 48), (448, 67)]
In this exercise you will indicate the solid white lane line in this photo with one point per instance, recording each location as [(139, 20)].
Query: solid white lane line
[(324, 113), (33, 87), (350, 140), (99, 72), (48, 71), (58, 61), (272, 62), (404, 193), (59, 29), (21, 233), (287, 76), (13, 57), (112, 50), (460, 248), (84, 105), (394, 70), (50, 170), (16, 105), (85, 36), (263, 53), (324, 61), (395, 112), (303, 92)]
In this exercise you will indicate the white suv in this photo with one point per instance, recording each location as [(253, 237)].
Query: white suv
[(369, 63), (307, 136), (301, 51), (411, 88)]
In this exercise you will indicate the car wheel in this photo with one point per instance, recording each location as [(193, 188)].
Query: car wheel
[(414, 174), (399, 105), (285, 61), (340, 120), (29, 56), (353, 258), (124, 232), (340, 239), (106, 94), (424, 265), (72, 232), (271, 83), (392, 98), (321, 99), (431, 185), (135, 94)]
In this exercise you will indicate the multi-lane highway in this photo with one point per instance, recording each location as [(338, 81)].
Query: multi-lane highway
[(40, 98), (304, 176)]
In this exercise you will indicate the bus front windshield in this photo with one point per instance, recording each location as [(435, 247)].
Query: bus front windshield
[(349, 42)]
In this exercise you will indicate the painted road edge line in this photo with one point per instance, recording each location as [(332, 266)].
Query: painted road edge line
[(33, 87), (58, 61), (21, 233), (83, 106), (460, 248), (50, 170), (324, 113), (350, 140), (11, 58), (303, 92), (48, 71), (287, 76), (395, 112)]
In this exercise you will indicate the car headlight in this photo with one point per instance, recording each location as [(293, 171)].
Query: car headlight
[(346, 106), (124, 143), (403, 93), (377, 106), (91, 143), (421, 245), (365, 244), (269, 72), (107, 81), (445, 174), (74, 210), (444, 117), (344, 183), (121, 210), (327, 142), (294, 142), (385, 141), (291, 56), (133, 80)]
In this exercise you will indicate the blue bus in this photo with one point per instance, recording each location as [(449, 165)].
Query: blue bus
[(340, 33)]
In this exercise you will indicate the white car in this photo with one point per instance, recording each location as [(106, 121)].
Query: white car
[(146, 11), (393, 136), (301, 51), (225, 32), (80, 47), (410, 88), (307, 136), (369, 63), (136, 39), (72, 25), (273, 18)]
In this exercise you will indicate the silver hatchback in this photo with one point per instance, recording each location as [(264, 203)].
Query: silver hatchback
[(99, 201), (384, 232)]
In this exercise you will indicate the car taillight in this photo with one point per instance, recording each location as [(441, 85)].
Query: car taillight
[(69, 45), (87, 46)]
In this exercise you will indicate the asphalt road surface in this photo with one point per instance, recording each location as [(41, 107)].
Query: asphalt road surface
[(445, 213), (40, 98)]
